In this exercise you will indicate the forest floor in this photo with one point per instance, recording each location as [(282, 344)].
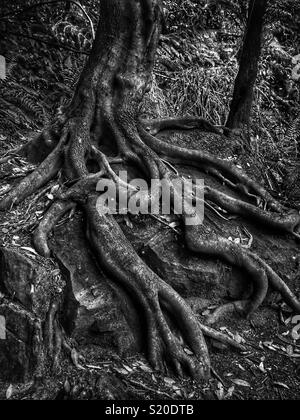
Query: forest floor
[(268, 369)]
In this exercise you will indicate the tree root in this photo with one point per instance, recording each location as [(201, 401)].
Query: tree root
[(205, 160), (202, 240), (56, 340), (104, 113), (188, 123), (37, 179), (54, 214), (222, 338), (239, 307), (286, 221), (121, 262), (279, 285)]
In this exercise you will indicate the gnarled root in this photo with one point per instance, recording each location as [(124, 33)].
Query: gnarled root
[(53, 215), (278, 284), (220, 337), (56, 340), (121, 262), (187, 123), (286, 221), (202, 240), (239, 307), (205, 160), (37, 179)]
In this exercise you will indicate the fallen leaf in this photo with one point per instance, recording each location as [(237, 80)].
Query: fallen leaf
[(9, 392), (146, 368), (26, 248), (230, 392), (220, 391), (179, 393), (169, 381), (281, 385), (128, 368), (241, 367), (241, 382), (121, 371)]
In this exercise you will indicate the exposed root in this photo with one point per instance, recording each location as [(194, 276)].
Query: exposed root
[(122, 262), (53, 215), (104, 114), (286, 221), (239, 307), (37, 179), (222, 338), (56, 340), (205, 160), (188, 123)]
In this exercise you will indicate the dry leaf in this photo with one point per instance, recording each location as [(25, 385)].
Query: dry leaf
[(121, 371), (31, 250), (281, 385), (169, 381), (128, 368), (230, 392), (220, 391), (9, 392), (67, 386), (241, 382)]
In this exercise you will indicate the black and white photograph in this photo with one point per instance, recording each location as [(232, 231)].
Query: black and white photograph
[(149, 203)]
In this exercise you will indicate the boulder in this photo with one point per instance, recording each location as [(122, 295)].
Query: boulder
[(27, 286), (95, 311)]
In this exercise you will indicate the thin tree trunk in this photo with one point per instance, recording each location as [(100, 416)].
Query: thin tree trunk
[(241, 105)]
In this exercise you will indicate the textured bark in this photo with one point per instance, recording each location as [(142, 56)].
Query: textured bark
[(241, 105)]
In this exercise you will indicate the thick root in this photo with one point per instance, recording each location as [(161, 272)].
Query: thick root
[(205, 160), (37, 179), (54, 214), (239, 307), (202, 240), (222, 338), (188, 123), (122, 263), (56, 340), (286, 221), (279, 285)]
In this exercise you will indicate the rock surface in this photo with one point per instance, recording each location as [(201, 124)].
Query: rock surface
[(95, 312), (26, 289)]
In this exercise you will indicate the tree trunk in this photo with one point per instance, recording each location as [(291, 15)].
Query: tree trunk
[(241, 105)]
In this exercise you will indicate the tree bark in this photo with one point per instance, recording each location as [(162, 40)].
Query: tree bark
[(241, 105)]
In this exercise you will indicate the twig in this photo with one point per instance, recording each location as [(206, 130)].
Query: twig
[(147, 388), (222, 338), (218, 377)]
